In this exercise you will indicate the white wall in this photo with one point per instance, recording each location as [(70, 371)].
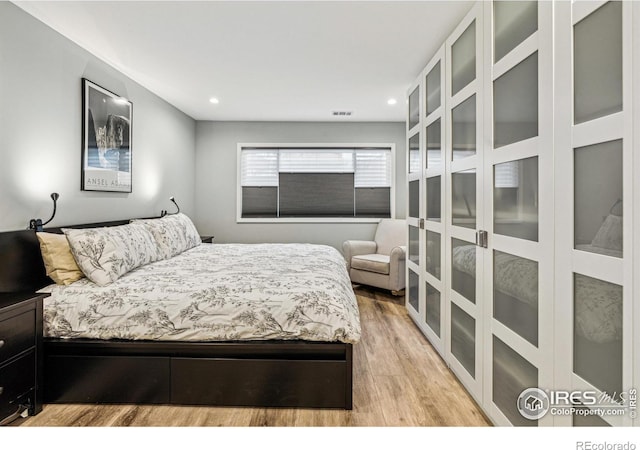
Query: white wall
[(41, 133), (216, 177)]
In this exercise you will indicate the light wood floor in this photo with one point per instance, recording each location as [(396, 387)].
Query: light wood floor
[(398, 380)]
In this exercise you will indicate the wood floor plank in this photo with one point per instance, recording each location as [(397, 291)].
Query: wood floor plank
[(434, 383), (382, 359), (401, 403), (398, 380)]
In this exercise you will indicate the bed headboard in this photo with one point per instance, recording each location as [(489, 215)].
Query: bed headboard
[(21, 266)]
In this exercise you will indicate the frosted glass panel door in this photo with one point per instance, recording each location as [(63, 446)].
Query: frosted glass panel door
[(414, 108), (464, 200), (595, 201), (415, 153), (515, 103), (414, 198), (464, 125), (434, 144), (514, 21), (512, 374), (414, 245), (463, 339), (597, 63), (515, 294), (434, 198), (431, 319), (434, 257), (519, 208), (598, 212), (432, 311), (597, 328), (515, 198), (434, 86), (463, 269), (413, 290), (463, 59)]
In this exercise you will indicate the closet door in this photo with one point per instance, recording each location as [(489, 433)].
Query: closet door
[(463, 175), (414, 291), (432, 320), (518, 162), (594, 189)]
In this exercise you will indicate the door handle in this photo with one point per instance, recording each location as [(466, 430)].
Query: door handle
[(482, 238)]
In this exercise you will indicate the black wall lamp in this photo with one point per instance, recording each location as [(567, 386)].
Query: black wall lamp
[(37, 224), (164, 211)]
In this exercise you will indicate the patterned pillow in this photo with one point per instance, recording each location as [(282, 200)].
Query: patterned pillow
[(105, 254), (174, 234)]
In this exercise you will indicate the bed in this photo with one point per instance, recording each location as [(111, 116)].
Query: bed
[(231, 325)]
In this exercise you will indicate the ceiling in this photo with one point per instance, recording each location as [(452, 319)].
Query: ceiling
[(263, 60)]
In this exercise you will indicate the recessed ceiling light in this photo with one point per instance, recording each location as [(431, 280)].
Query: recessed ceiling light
[(392, 101), (214, 100)]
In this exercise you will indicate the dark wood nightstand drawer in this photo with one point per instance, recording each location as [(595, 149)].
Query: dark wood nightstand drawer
[(17, 334), (16, 379)]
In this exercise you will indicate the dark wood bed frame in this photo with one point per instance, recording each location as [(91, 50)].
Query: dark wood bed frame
[(299, 374)]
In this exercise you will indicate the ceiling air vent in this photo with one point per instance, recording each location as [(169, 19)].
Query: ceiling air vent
[(342, 113)]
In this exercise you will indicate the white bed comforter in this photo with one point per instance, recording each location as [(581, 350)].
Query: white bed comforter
[(216, 293)]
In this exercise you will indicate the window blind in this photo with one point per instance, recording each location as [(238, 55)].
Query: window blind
[(316, 161), (259, 167), (316, 195), (259, 201), (373, 168), (316, 182)]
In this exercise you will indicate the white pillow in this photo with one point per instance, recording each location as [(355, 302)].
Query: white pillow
[(105, 254), (173, 233)]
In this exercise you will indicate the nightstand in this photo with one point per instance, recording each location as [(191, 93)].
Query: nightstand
[(207, 239), (20, 355)]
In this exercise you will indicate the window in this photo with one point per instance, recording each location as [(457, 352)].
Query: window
[(300, 182)]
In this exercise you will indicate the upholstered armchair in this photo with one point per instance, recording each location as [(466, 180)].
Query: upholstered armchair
[(380, 262)]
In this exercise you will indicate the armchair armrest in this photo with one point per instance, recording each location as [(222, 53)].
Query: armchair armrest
[(398, 254), (354, 248), (396, 267)]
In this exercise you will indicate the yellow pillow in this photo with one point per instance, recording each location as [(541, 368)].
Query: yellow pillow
[(58, 260)]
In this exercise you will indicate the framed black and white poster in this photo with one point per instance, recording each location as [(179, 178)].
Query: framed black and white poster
[(106, 140)]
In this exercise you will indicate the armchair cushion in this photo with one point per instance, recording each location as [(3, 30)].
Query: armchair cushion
[(371, 263)]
